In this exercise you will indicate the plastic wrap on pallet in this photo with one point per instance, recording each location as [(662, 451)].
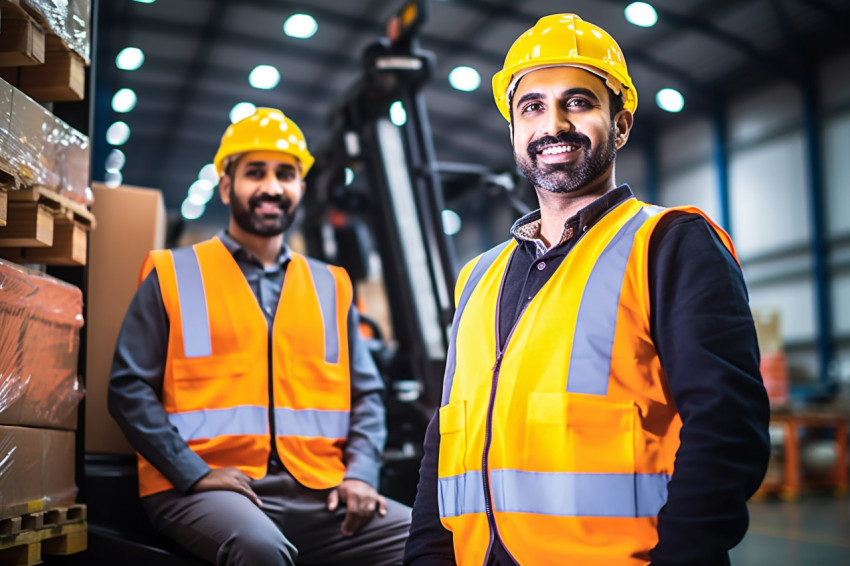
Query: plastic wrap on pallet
[(40, 321), (36, 469), (41, 148), (67, 19)]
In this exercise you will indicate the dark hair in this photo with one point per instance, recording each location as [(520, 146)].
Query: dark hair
[(615, 101)]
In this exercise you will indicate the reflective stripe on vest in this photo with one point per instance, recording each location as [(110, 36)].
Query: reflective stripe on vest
[(597, 313), (193, 305), (563, 494), (311, 423), (209, 423)]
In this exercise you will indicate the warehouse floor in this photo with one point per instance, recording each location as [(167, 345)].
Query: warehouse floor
[(813, 530)]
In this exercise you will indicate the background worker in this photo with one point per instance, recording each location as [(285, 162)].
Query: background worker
[(602, 402), (240, 379)]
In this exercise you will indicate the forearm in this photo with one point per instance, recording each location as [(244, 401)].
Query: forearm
[(429, 543), (367, 433), (135, 386), (706, 340)]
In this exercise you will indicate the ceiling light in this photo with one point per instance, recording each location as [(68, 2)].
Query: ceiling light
[(145, 1), (301, 26), (670, 99), (641, 14), (115, 161), (124, 100), (118, 133), (129, 59), (201, 191), (264, 77), (349, 176), (241, 110), (190, 210), (113, 179), (208, 173), (398, 115), (464, 78), (451, 222)]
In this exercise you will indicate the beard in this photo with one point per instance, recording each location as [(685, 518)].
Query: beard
[(568, 177), (252, 222)]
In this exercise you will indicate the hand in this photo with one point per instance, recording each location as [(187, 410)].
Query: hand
[(361, 501), (227, 479)]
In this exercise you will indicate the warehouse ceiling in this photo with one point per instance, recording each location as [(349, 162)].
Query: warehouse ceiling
[(199, 53)]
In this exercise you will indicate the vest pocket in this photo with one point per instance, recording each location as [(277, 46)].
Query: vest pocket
[(573, 432), (452, 439), (209, 367)]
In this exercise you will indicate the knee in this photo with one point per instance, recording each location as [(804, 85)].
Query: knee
[(252, 548)]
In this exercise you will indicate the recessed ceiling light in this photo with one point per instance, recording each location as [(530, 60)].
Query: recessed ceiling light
[(349, 176), (118, 133), (208, 172), (670, 99), (264, 77), (464, 78), (191, 210), (300, 26), (115, 161), (113, 179), (451, 222), (241, 110), (129, 59), (201, 191), (124, 100), (398, 115), (641, 14), (145, 1)]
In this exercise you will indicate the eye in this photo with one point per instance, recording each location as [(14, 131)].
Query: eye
[(254, 173), (578, 102), (285, 175), (533, 106)]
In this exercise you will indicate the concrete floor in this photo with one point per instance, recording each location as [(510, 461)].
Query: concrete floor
[(813, 530)]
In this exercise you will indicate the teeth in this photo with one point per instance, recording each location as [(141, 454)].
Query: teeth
[(555, 150)]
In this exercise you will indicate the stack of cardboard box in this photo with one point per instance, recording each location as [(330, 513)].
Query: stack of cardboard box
[(40, 321)]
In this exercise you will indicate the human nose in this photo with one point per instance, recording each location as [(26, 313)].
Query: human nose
[(557, 121), (270, 184)]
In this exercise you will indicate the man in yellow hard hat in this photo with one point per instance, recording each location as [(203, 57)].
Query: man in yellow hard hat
[(240, 379), (602, 402)]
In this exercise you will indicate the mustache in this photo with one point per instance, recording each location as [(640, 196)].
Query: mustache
[(282, 201), (572, 138)]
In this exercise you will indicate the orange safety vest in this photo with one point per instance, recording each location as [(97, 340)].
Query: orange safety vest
[(562, 443), (215, 388)]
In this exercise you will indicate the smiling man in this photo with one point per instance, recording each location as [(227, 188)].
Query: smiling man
[(602, 402), (242, 383)]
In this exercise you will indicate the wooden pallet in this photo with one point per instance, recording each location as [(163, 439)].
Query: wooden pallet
[(60, 530), (36, 61), (45, 227)]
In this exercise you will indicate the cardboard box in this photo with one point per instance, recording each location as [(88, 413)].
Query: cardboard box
[(130, 222), (40, 321), (68, 20), (36, 469)]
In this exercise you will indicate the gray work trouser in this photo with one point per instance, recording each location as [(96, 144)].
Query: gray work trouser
[(294, 526)]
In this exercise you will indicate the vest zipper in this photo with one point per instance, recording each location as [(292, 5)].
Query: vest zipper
[(273, 437), (488, 429)]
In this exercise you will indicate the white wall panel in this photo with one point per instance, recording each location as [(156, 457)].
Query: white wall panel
[(695, 187), (841, 304), (769, 206), (794, 300), (836, 148), (756, 114)]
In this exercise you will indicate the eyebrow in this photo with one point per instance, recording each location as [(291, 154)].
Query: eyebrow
[(569, 92), (263, 164)]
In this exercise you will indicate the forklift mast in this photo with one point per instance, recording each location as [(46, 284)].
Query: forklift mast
[(397, 195)]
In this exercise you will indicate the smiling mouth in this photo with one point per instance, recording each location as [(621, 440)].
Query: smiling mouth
[(559, 149)]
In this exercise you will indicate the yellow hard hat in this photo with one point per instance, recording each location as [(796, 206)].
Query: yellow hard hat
[(267, 129), (565, 40)]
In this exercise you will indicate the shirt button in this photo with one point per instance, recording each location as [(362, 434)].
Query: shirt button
[(541, 266), (269, 311)]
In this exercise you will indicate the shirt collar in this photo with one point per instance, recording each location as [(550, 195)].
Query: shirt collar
[(239, 253), (527, 228)]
